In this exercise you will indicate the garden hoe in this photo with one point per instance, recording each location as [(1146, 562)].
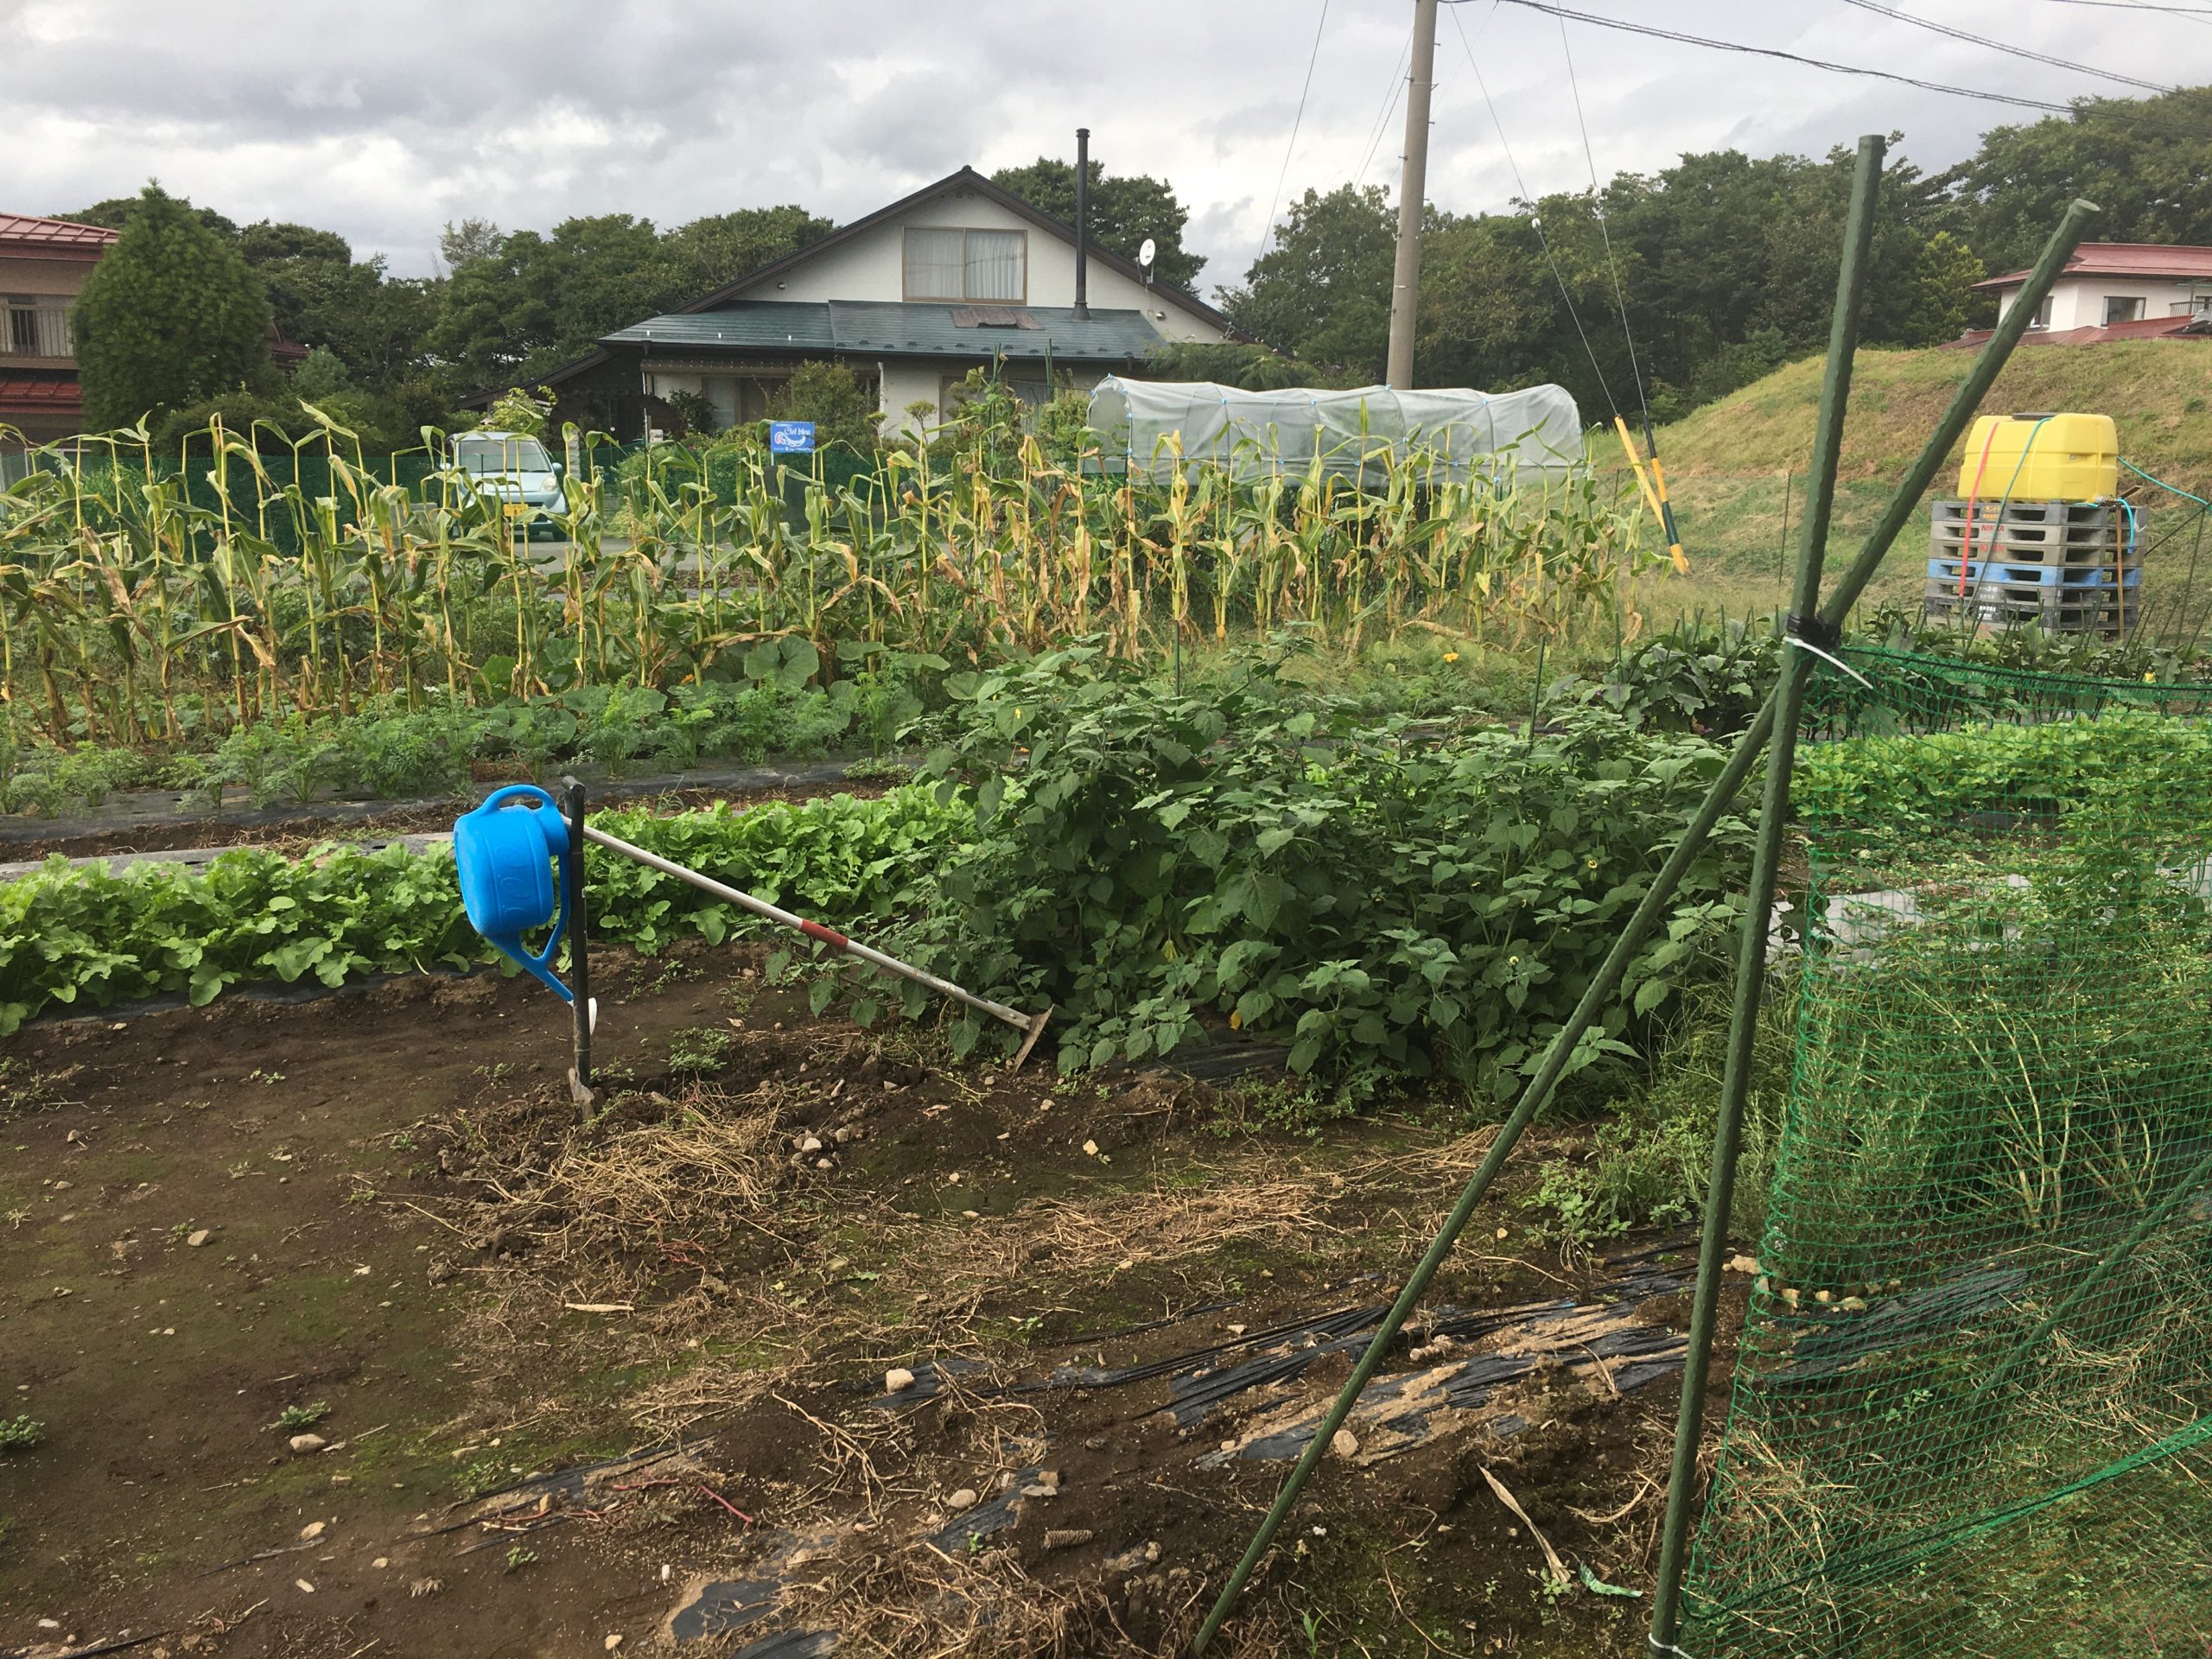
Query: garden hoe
[(507, 851)]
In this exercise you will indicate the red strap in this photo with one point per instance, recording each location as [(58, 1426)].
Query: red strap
[(827, 935)]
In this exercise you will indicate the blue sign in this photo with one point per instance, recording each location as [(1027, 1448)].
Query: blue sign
[(791, 438)]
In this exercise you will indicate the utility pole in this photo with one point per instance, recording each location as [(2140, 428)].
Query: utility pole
[(1413, 191)]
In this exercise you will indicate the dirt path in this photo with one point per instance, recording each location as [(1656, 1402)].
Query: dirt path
[(1118, 1318)]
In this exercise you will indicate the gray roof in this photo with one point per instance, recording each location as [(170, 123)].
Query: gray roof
[(890, 328)]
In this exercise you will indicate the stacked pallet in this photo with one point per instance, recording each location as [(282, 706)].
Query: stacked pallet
[(2067, 566)]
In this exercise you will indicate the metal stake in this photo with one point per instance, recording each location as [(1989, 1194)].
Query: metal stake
[(1795, 671), (1608, 977)]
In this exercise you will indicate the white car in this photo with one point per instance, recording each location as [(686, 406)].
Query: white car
[(515, 468)]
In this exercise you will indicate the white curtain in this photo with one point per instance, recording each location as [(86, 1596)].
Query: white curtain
[(933, 264), (994, 265)]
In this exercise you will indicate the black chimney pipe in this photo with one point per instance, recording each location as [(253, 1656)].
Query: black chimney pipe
[(1082, 224)]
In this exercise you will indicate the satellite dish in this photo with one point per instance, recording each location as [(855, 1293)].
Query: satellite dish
[(1146, 254)]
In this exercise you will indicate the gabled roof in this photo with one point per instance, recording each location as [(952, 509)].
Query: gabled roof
[(968, 179), (2153, 261), (52, 238), (901, 328)]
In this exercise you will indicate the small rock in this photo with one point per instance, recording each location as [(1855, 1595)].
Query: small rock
[(898, 1380), (1067, 1537), (613, 1641), (199, 1235), (1344, 1443), (965, 1498), (1091, 1148), (313, 1529), (812, 1143), (1233, 1330), (1740, 1263), (1854, 1304), (845, 1136), (304, 1585), (824, 1163), (304, 1444), (381, 1561), (1038, 1490)]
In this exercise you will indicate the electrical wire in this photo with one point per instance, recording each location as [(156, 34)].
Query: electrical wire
[(1972, 39), (1390, 97), (1536, 220), (2197, 13), (1598, 207), (1296, 121), (1681, 38)]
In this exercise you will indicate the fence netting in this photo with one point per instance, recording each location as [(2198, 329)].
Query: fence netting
[(1973, 1386)]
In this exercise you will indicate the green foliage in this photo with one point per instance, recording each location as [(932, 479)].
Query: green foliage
[(516, 411), (1125, 209), (2142, 160), (294, 1419), (169, 316), (21, 1434), (1322, 290), (1649, 1159), (320, 376), (520, 308), (83, 938), (828, 394), (1253, 852), (1230, 363)]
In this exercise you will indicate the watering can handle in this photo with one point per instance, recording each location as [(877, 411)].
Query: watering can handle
[(541, 963)]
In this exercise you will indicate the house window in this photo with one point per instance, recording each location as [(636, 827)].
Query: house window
[(977, 267), (2041, 318), (2123, 308)]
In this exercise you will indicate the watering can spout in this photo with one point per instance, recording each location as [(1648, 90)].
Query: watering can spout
[(504, 852)]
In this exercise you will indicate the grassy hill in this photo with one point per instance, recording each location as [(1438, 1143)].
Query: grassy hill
[(1737, 468)]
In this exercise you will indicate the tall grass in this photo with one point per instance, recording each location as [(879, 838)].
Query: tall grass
[(148, 595)]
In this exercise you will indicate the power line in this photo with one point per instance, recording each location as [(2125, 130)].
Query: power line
[(1535, 219), (1598, 207), (1787, 57), (1389, 102), (1972, 39), (1313, 58), (2198, 13)]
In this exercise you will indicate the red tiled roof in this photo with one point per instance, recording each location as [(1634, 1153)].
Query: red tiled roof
[(2141, 329), (2154, 260), (53, 238), (22, 392)]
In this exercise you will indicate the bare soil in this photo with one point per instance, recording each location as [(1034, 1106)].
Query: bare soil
[(1121, 1300)]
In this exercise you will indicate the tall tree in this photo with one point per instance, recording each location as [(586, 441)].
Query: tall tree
[(1125, 209), (711, 252), (170, 315), (2145, 162), (1322, 290)]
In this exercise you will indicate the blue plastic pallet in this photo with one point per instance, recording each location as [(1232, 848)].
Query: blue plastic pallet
[(1994, 574)]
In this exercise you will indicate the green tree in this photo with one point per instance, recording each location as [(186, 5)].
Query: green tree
[(115, 212), (830, 395), (711, 252), (1322, 290), (170, 315), (2145, 162), (1125, 209)]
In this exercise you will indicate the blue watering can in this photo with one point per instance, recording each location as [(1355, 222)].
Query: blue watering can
[(504, 855)]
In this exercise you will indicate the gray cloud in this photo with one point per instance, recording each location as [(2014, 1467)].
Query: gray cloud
[(383, 121)]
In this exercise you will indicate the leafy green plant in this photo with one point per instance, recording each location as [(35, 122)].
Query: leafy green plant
[(294, 1419), (1252, 854), (21, 1434)]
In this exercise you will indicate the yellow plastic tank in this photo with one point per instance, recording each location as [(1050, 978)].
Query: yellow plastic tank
[(2041, 458)]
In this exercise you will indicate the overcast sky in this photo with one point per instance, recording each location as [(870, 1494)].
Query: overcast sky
[(382, 120)]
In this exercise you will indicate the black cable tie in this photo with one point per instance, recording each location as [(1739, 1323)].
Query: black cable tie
[(1814, 631)]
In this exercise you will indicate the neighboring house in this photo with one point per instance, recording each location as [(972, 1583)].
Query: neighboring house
[(959, 275), (43, 264), (2116, 291)]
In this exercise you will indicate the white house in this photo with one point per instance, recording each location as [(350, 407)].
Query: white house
[(960, 274), (2119, 290)]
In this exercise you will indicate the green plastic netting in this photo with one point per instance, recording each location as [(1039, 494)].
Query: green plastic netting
[(1975, 1383)]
